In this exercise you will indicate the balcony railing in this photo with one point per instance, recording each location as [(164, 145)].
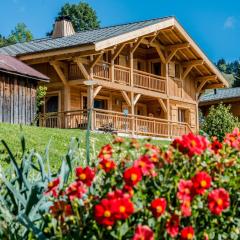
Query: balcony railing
[(105, 120), (122, 75)]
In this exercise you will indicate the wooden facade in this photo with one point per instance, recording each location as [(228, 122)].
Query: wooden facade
[(145, 82), (17, 99)]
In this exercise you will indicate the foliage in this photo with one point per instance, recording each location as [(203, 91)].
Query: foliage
[(20, 34), (41, 93), (189, 190), (219, 121), (82, 16), (237, 77)]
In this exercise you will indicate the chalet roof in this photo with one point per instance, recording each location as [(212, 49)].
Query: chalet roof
[(13, 66), (170, 32), (80, 38), (220, 95)]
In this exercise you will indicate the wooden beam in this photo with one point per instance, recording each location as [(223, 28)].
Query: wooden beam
[(171, 55), (216, 85), (126, 98), (153, 38), (177, 46), (96, 91), (201, 85), (209, 78), (187, 71), (136, 98), (82, 68), (160, 52), (134, 48), (94, 62), (57, 66), (192, 63), (162, 104), (118, 51)]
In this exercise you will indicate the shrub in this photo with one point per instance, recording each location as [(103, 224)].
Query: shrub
[(188, 190), (219, 121)]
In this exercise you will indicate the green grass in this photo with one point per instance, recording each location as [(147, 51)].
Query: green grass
[(38, 138)]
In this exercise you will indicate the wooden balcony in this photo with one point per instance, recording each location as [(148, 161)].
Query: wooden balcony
[(122, 75), (110, 121)]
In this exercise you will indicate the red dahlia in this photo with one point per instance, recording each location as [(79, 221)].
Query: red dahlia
[(104, 212), (85, 175), (107, 165), (191, 144), (60, 210), (172, 226), (132, 176), (144, 164), (184, 189), (158, 206), (218, 200), (106, 152), (143, 233), (201, 182), (124, 208), (216, 146), (53, 187), (129, 190), (187, 233), (186, 207), (75, 190)]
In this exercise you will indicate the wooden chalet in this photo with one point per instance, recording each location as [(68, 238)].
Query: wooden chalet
[(228, 96), (145, 77), (18, 84)]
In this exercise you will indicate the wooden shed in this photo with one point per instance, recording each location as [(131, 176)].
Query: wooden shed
[(18, 83)]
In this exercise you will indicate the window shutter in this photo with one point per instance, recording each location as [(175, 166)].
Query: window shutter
[(192, 118), (174, 113), (171, 69)]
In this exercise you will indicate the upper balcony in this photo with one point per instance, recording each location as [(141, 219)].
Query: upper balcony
[(122, 75)]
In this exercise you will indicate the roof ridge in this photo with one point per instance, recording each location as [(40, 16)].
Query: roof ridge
[(89, 30)]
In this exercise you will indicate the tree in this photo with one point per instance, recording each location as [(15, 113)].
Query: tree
[(221, 65), (3, 41), (219, 121), (82, 16), (20, 34), (236, 82)]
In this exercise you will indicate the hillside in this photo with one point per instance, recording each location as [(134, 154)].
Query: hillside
[(38, 138)]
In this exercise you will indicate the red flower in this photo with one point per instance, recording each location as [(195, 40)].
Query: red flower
[(145, 165), (184, 189), (118, 140), (201, 182), (75, 190), (191, 144), (104, 212), (216, 146), (158, 206), (53, 187), (218, 200), (85, 175), (106, 152), (187, 233), (118, 194), (186, 207), (168, 156), (233, 139), (143, 233), (129, 190), (60, 210), (172, 226), (124, 209), (132, 176), (107, 165)]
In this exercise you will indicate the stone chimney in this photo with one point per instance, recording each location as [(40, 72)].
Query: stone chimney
[(63, 28)]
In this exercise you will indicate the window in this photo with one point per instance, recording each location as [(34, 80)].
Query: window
[(181, 115), (98, 103), (174, 70), (156, 68)]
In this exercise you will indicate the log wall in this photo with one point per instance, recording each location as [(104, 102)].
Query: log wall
[(17, 99)]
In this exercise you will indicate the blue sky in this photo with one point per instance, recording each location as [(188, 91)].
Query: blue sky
[(213, 24)]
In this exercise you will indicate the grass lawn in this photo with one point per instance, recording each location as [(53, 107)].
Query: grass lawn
[(38, 138)]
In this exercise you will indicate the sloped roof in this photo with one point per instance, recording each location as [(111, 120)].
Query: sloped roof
[(80, 38), (14, 66), (220, 94)]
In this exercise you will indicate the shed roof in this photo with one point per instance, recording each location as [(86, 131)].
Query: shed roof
[(14, 66), (80, 38), (220, 95)]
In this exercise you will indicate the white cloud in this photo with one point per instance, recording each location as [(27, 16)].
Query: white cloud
[(230, 22)]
